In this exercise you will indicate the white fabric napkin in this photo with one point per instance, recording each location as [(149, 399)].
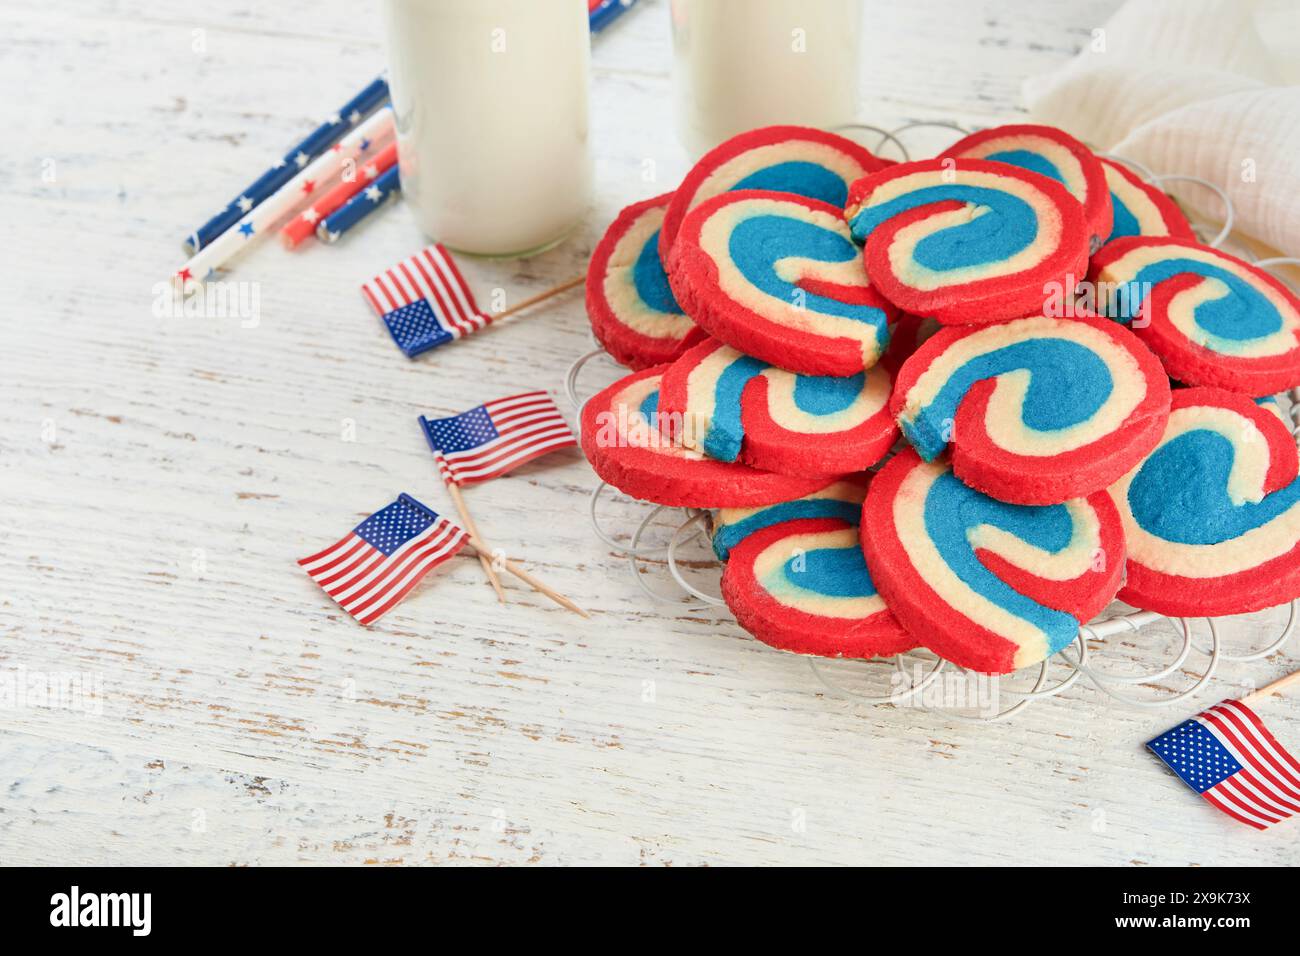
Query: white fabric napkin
[(1205, 88)]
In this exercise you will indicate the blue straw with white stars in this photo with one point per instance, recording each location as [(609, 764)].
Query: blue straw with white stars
[(349, 115), (359, 206)]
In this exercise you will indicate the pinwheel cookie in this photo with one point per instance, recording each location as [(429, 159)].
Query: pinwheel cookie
[(631, 307), (967, 240), (622, 440), (796, 579), (1212, 318), (786, 159), (987, 585), (733, 407), (1212, 515), (1048, 152), (1036, 410), (1140, 208), (779, 278)]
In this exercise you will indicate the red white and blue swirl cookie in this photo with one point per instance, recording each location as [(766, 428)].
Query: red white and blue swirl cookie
[(1037, 410), (985, 584), (1212, 515), (841, 500), (785, 159), (733, 407), (1140, 208), (967, 240), (803, 586), (622, 439), (1048, 152), (1210, 317), (629, 302), (779, 278)]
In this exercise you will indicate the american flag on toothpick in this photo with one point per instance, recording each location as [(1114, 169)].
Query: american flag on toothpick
[(425, 301), (495, 437), (372, 568), (1229, 757)]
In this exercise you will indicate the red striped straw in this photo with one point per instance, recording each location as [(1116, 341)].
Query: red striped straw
[(304, 224)]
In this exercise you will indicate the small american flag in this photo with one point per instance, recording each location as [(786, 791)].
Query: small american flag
[(425, 301), (489, 440), (377, 564), (1229, 757)]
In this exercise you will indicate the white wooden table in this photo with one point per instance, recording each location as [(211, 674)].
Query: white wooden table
[(161, 475)]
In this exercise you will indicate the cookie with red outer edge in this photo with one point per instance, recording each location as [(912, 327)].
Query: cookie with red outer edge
[(1036, 410), (1212, 515), (967, 241), (985, 584), (803, 586), (622, 440), (778, 277), (842, 500), (733, 407), (1140, 208), (629, 302), (1052, 153), (1210, 317), (785, 159)]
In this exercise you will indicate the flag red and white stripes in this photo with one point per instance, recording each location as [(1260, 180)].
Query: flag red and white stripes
[(372, 568), (1228, 756), (497, 436), (430, 274)]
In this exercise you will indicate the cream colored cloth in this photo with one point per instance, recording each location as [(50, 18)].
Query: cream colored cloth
[(1205, 88)]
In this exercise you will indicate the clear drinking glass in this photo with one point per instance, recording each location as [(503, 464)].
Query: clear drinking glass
[(738, 64), (491, 100)]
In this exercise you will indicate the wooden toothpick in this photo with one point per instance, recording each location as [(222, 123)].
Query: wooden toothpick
[(532, 300), (1268, 690), (484, 558), (527, 578)]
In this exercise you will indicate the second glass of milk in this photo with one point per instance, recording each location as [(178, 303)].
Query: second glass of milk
[(490, 98), (738, 64)]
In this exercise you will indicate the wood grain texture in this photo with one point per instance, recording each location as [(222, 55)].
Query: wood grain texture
[(161, 475)]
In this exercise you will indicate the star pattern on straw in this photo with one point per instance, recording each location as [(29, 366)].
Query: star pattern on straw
[(244, 203), (246, 228)]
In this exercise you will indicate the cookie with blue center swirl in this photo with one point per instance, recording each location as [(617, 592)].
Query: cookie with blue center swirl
[(1210, 317), (841, 500), (787, 159), (1035, 410), (1212, 515), (631, 307), (1140, 208), (803, 586), (985, 584), (732, 407), (778, 277), (1048, 152), (967, 241), (622, 439)]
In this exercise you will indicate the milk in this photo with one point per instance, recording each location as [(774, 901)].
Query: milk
[(490, 98), (738, 64)]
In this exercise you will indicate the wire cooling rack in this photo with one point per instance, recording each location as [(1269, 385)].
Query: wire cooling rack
[(917, 678)]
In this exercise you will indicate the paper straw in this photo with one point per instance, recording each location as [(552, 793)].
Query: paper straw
[(359, 206), (271, 213), (304, 224), (604, 12), (349, 115)]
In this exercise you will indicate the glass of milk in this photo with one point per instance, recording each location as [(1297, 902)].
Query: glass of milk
[(738, 64), (490, 98)]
